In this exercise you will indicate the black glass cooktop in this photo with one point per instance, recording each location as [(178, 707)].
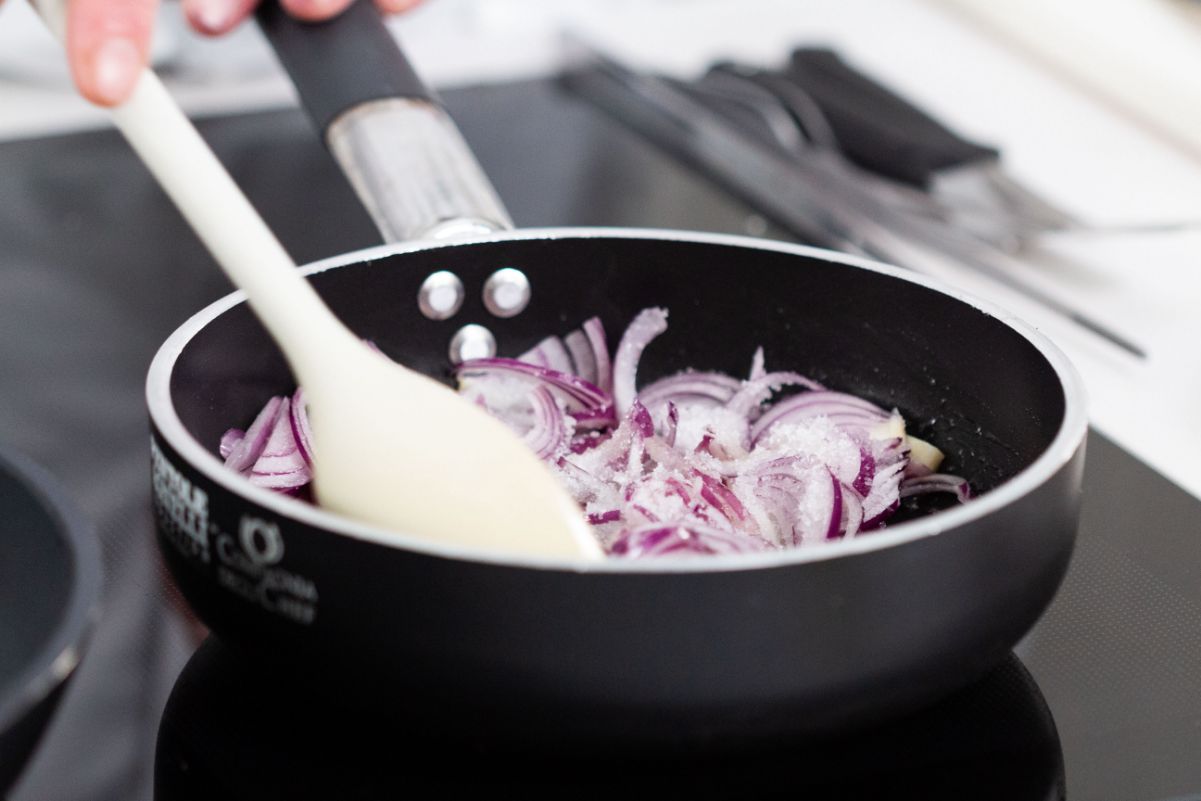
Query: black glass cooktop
[(1101, 701)]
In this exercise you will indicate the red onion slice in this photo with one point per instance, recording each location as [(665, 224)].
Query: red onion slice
[(752, 393), (757, 365), (595, 331), (680, 540), (280, 465), (243, 455), (936, 482), (690, 387), (548, 436), (649, 324), (228, 440), (841, 408), (301, 431), (884, 497), (580, 396), (582, 356), (551, 353)]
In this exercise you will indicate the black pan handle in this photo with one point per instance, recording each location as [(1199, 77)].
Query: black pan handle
[(877, 128), (402, 153), (333, 78)]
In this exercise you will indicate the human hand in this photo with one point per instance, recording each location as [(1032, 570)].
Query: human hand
[(108, 41)]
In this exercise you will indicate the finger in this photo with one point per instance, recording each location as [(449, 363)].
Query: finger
[(107, 46), (215, 17), (396, 6), (314, 10)]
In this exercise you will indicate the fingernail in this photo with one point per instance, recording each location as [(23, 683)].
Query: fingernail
[(211, 16), (316, 9), (116, 67)]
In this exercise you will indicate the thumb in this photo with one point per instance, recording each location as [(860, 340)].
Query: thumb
[(107, 46)]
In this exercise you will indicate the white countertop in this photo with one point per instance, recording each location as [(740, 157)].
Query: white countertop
[(1097, 158)]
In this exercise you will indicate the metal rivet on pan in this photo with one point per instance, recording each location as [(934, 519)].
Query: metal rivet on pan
[(441, 295), (472, 342), (507, 292)]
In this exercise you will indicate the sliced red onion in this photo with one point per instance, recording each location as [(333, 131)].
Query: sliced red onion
[(641, 419), (884, 496), (680, 540), (776, 500), (819, 515), (243, 455), (696, 463), (834, 528), (280, 465), (690, 387), (757, 365), (646, 326), (746, 401), (841, 408), (228, 440), (551, 353), (548, 436), (867, 471), (616, 452), (583, 357), (673, 423), (595, 331), (720, 497), (936, 482), (587, 440), (583, 485), (580, 396), (301, 431), (852, 512), (754, 392)]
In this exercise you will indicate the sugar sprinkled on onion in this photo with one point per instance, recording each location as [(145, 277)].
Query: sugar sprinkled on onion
[(692, 464)]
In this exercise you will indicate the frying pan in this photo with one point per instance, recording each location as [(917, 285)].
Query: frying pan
[(810, 640), (49, 588)]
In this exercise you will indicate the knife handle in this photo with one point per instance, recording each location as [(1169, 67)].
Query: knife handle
[(876, 128)]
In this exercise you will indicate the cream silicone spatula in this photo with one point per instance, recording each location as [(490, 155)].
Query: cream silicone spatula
[(392, 447)]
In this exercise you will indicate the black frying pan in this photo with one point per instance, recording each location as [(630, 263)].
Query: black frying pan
[(809, 640), (49, 588)]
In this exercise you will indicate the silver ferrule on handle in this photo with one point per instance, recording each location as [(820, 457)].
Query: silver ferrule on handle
[(413, 171)]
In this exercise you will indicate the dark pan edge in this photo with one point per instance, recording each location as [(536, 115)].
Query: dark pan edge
[(61, 653)]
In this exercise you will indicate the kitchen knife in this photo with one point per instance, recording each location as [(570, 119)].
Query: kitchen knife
[(881, 131)]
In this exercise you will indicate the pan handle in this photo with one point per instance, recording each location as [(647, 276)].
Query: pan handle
[(400, 150)]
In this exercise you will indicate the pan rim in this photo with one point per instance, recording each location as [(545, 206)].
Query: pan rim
[(61, 652), (1066, 442)]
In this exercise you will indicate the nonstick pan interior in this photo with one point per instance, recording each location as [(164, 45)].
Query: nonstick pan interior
[(963, 379)]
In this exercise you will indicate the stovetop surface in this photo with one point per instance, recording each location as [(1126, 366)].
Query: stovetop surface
[(1102, 699)]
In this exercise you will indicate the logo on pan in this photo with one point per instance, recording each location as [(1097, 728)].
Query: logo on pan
[(181, 508), (248, 566), (261, 541)]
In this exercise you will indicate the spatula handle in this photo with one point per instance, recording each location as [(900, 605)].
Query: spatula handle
[(220, 214)]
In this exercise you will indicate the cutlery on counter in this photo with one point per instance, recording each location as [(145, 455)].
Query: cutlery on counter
[(779, 147), (884, 132)]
